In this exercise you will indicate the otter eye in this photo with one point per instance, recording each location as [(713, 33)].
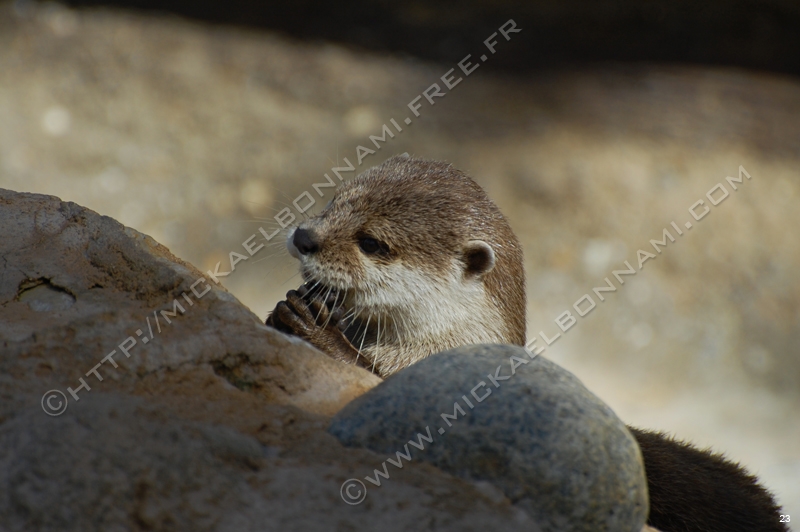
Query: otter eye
[(370, 246)]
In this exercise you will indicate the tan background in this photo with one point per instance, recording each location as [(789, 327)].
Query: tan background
[(198, 135)]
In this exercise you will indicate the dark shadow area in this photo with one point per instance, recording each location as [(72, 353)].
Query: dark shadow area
[(762, 35)]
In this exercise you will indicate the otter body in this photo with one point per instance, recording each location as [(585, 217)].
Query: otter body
[(411, 258)]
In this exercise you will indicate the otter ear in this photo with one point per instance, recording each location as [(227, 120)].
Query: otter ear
[(479, 258)]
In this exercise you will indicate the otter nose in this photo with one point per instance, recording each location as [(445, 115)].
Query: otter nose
[(304, 242)]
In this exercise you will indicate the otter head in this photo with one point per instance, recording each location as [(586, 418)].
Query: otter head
[(421, 259)]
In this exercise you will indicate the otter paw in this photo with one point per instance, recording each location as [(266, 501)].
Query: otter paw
[(317, 321)]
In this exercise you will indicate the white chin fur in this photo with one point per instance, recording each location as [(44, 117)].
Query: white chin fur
[(290, 244)]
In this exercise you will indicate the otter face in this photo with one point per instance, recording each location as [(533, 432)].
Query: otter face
[(410, 247), (377, 274)]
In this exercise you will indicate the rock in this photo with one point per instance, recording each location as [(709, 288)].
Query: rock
[(114, 463), (112, 459), (77, 286), (552, 447), (215, 423)]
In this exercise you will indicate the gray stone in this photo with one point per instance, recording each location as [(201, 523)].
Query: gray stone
[(552, 447)]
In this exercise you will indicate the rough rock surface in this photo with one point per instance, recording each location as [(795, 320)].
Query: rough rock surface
[(538, 435), (117, 463), (76, 285), (216, 423)]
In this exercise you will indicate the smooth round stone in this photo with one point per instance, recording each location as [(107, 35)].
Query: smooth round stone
[(528, 427)]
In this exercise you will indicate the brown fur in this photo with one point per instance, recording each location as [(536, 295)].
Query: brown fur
[(694, 490), (427, 215), (425, 212)]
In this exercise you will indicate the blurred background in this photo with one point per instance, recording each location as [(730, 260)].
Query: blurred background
[(593, 129)]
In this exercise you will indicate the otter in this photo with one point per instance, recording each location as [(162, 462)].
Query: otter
[(451, 276), (411, 258)]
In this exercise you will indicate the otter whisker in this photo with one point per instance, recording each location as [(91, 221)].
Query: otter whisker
[(377, 345), (333, 308), (316, 318), (364, 336), (316, 284), (353, 317), (349, 312), (399, 337), (291, 277)]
